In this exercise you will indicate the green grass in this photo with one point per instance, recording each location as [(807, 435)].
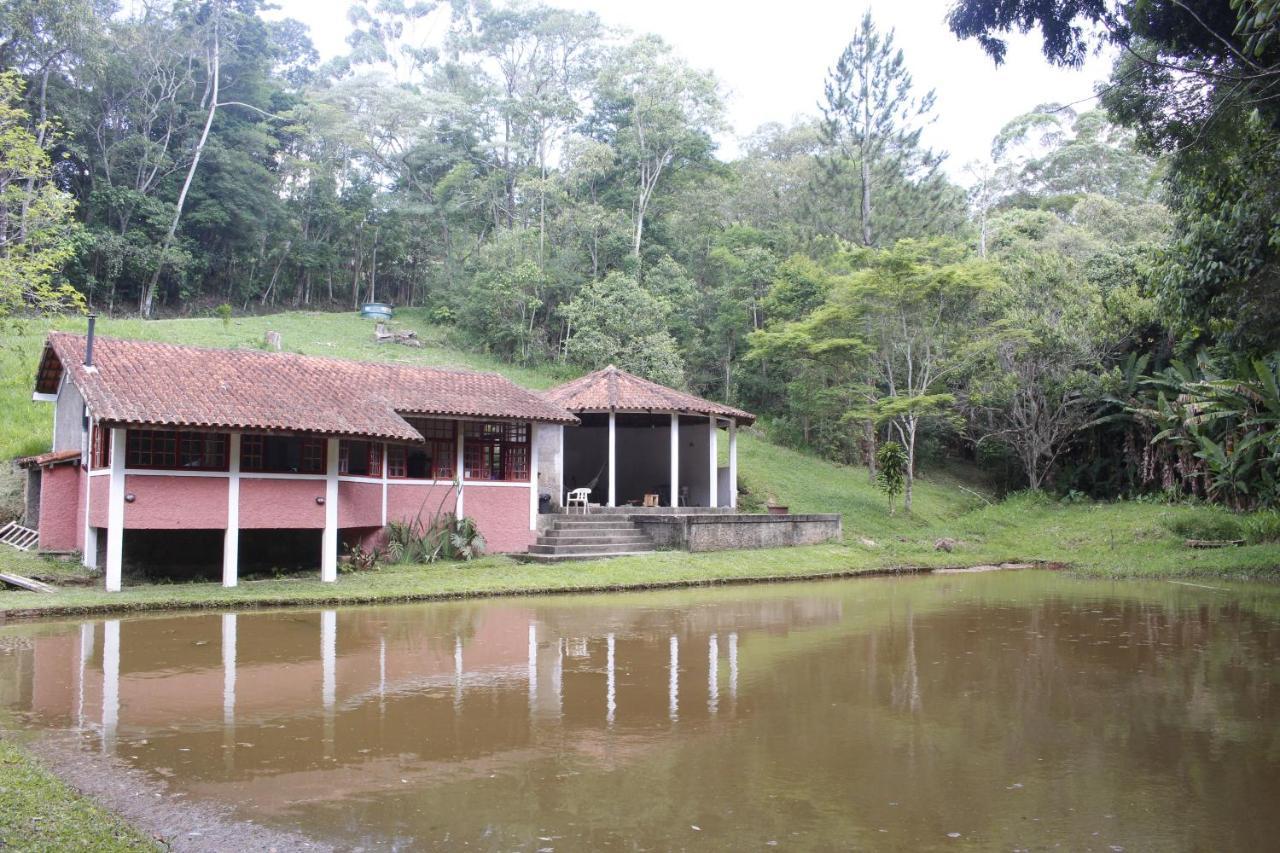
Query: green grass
[(38, 812)]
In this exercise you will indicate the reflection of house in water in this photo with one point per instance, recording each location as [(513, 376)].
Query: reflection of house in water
[(383, 693)]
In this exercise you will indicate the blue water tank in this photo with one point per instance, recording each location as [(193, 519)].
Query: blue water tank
[(375, 311)]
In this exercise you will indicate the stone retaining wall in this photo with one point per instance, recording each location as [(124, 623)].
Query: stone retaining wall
[(726, 532)]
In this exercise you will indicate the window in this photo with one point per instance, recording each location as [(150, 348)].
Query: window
[(360, 458), (282, 454), (433, 460), (174, 450), (100, 447), (496, 451)]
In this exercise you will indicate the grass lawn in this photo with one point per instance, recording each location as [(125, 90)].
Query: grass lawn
[(38, 812)]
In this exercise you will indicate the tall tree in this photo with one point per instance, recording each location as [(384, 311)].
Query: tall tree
[(871, 126)]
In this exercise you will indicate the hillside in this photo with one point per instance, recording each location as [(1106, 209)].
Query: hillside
[(767, 471)]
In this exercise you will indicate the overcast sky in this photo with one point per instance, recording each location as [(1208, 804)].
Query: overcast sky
[(772, 62)]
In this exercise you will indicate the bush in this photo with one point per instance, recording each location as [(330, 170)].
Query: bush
[(1209, 524), (1262, 527)]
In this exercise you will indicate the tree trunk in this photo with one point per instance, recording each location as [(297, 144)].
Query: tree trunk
[(149, 294)]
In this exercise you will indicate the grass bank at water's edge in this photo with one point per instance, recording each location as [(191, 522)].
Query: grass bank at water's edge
[(39, 812)]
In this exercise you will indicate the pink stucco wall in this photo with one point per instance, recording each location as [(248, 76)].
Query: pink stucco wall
[(175, 503), (100, 487), (502, 514), (406, 500), (281, 504), (60, 527), (359, 504)]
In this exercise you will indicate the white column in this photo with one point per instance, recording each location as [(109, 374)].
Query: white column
[(733, 463), (110, 683), (458, 509), (675, 459), (712, 452), (533, 476), (329, 542), (560, 466), (613, 458), (231, 538), (90, 556), (115, 512), (384, 484)]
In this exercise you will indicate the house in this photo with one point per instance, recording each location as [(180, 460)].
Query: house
[(163, 449), (248, 447)]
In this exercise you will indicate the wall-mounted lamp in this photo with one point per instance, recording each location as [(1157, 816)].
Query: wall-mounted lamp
[(320, 500), (130, 497)]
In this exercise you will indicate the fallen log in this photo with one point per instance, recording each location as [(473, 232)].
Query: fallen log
[(1213, 543)]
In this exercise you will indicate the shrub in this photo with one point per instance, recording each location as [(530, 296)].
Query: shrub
[(1209, 524), (1262, 527)]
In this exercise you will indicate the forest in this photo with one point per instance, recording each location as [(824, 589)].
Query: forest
[(1091, 312)]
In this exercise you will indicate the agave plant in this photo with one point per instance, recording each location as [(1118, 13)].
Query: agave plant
[(428, 537)]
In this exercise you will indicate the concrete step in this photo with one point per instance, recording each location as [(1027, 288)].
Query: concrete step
[(568, 558), (636, 538), (594, 549), (594, 529), (588, 521)]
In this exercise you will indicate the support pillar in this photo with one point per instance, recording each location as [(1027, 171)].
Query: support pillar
[(231, 538), (460, 473), (733, 463), (675, 459), (329, 542), (560, 467), (533, 476), (713, 463), (613, 458), (115, 512)]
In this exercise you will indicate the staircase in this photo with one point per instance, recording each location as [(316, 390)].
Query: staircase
[(589, 537)]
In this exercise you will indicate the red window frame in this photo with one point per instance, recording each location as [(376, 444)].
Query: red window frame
[(440, 441), (175, 450), (99, 447), (496, 451), (311, 454), (373, 457)]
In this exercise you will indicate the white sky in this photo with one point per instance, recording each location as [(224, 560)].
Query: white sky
[(772, 59)]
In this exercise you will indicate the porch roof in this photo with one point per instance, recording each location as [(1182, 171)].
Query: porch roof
[(145, 382), (614, 389)]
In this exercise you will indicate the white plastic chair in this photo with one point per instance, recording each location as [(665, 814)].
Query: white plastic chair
[(579, 498)]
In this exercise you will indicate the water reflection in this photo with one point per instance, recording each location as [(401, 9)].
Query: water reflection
[(1016, 710)]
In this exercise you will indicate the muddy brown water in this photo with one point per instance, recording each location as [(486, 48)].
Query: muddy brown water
[(1011, 710)]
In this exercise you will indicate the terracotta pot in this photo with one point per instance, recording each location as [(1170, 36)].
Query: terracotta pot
[(778, 510)]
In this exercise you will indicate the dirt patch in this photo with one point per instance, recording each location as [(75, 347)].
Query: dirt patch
[(167, 816)]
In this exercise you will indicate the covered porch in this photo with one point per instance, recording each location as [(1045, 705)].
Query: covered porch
[(640, 442)]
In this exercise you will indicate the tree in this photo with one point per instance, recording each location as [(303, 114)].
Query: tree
[(1196, 83), (891, 460), (37, 232), (659, 114), (615, 321), (871, 124)]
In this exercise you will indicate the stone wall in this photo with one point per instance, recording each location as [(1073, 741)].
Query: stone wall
[(725, 531)]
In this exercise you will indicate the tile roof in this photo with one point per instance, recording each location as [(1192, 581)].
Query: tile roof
[(144, 382), (614, 388), (44, 460)]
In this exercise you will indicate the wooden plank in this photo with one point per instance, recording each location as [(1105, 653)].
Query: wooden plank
[(25, 583)]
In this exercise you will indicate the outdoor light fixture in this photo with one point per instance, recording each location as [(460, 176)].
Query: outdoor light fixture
[(130, 497), (320, 500)]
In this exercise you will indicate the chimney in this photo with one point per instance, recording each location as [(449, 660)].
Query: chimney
[(88, 344)]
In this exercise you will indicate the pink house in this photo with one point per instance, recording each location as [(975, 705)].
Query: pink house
[(152, 437)]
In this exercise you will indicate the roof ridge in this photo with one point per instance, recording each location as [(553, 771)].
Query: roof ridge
[(466, 371)]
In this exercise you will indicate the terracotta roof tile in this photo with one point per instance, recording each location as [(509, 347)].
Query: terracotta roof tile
[(146, 382), (53, 457), (614, 388)]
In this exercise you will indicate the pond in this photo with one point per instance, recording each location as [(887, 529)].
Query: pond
[(1008, 710)]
